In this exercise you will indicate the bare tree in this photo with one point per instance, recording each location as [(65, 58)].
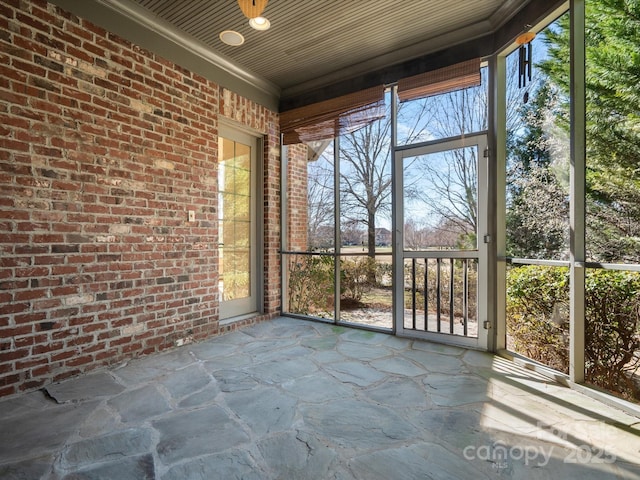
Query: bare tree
[(320, 198), (445, 184), (352, 233), (365, 177), (450, 188), (415, 234), (451, 196), (365, 168)]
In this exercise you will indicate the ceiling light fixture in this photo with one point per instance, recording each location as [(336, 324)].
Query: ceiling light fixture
[(259, 23), (232, 38), (252, 8)]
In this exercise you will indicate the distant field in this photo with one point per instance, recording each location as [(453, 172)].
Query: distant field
[(363, 250), (383, 254)]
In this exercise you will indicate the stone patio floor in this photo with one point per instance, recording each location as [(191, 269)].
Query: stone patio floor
[(291, 399)]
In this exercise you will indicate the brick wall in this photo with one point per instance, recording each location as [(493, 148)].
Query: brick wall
[(297, 221), (104, 148)]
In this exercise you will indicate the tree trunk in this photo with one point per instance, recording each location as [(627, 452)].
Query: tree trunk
[(371, 234), (371, 246)]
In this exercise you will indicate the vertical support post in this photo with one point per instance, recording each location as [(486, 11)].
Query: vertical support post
[(577, 193), (284, 231), (426, 294), (337, 241), (413, 293), (497, 173), (438, 292), (465, 295), (397, 220), (451, 295)]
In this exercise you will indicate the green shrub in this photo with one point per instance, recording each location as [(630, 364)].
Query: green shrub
[(311, 288), (384, 273), (310, 284), (538, 323), (612, 310), (538, 320), (356, 275)]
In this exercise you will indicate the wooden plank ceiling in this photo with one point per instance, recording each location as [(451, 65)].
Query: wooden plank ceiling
[(313, 43)]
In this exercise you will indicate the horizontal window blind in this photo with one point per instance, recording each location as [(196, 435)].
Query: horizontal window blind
[(442, 80), (347, 113), (333, 117)]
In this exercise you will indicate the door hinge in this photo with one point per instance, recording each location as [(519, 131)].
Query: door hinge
[(487, 325), (486, 152), (487, 238)]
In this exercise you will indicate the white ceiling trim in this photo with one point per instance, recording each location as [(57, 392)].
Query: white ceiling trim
[(506, 11)]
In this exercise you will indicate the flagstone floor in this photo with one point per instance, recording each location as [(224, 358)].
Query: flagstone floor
[(291, 399)]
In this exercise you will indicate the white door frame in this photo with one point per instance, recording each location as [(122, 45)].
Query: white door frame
[(231, 310), (481, 253)]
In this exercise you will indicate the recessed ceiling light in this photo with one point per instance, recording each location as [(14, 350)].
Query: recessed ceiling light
[(232, 38), (260, 23)]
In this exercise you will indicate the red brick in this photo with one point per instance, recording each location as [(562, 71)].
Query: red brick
[(14, 308), (75, 341), (6, 356), (87, 149), (17, 330), (40, 371), (65, 374), (79, 31), (9, 390), (30, 294), (32, 272), (9, 379), (64, 291), (32, 22), (28, 44), (26, 364), (63, 355), (119, 341), (44, 15), (47, 348), (32, 384), (109, 355), (77, 361), (94, 348)]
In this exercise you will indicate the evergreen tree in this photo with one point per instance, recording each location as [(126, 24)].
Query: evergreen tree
[(613, 124), (537, 209)]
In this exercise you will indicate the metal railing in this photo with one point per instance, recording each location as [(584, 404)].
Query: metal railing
[(442, 293)]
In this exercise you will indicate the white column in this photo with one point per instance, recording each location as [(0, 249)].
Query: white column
[(497, 205), (577, 192)]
